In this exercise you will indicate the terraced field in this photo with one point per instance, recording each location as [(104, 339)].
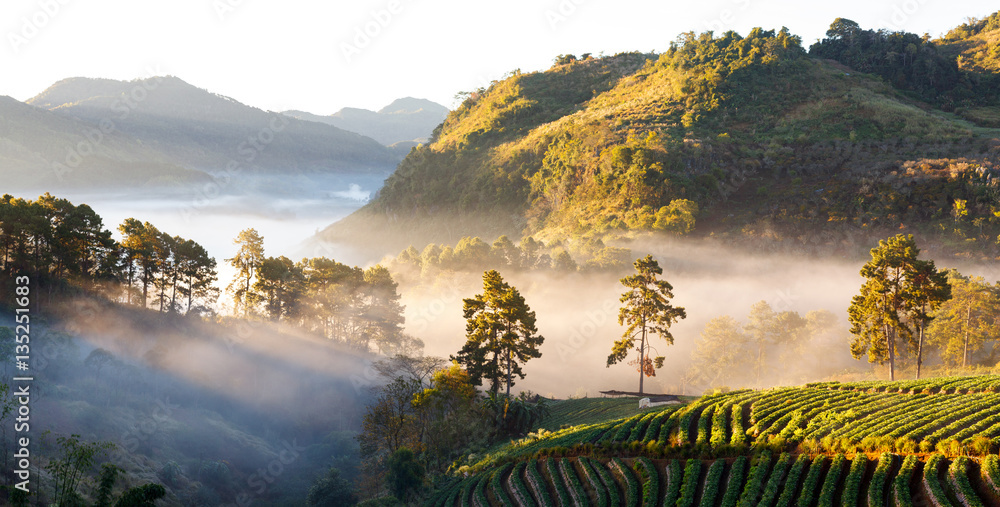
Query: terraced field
[(773, 481), (928, 442)]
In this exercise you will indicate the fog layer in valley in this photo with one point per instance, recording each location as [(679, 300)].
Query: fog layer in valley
[(578, 315)]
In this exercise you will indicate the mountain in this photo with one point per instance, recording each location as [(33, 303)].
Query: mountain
[(206, 131), (404, 120), (765, 143), (43, 150)]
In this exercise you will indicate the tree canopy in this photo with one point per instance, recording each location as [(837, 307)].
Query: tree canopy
[(500, 334), (893, 291), (646, 310)]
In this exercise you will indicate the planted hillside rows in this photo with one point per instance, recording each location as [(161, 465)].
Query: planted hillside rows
[(632, 489), (959, 481), (876, 488), (572, 480), (518, 489), (791, 487), (773, 487), (737, 476), (555, 477), (650, 482), (801, 481), (901, 483), (689, 486), (713, 483), (537, 484)]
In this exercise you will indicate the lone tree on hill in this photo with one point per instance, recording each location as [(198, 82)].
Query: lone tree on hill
[(501, 334), (897, 291), (646, 311)]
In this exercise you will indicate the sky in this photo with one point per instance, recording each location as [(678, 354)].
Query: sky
[(322, 56)]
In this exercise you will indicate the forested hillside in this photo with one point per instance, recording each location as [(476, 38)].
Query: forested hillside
[(755, 137)]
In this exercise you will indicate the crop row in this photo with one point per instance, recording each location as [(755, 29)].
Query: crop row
[(783, 482), (821, 417)]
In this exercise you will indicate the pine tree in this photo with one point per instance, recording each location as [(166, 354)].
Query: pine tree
[(646, 311), (501, 334), (894, 292), (247, 261)]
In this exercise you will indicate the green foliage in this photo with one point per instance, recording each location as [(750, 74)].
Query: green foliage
[(674, 482), (514, 416), (404, 475), (713, 484), (105, 484), (967, 322), (331, 489), (689, 487), (901, 483), (734, 486), (958, 473), (897, 285), (143, 496), (905, 59), (76, 458), (877, 486), (773, 487), (650, 479), (932, 479), (811, 485), (646, 311), (755, 481), (500, 334), (791, 489), (829, 488), (852, 484)]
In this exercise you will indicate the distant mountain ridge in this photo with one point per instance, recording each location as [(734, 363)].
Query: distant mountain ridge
[(405, 120), (42, 150), (163, 124)]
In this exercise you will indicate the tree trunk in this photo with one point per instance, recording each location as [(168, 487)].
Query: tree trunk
[(920, 348), (508, 373), (891, 342), (642, 359), (965, 351), (190, 294)]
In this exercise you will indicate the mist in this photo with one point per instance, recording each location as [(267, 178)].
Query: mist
[(212, 410), (577, 313)]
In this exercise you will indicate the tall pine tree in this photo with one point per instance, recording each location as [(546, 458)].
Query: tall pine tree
[(501, 334), (646, 311)]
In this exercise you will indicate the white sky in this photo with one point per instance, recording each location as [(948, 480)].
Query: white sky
[(290, 54)]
